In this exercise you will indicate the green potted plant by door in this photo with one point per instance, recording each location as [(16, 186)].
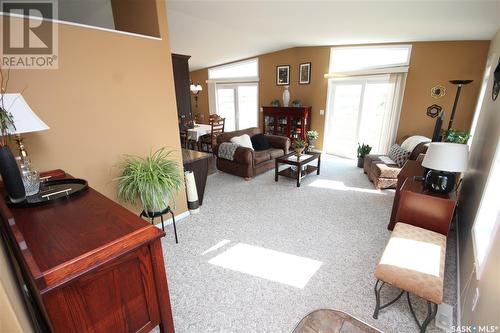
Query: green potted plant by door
[(363, 150), (299, 146), (149, 181), (312, 136)]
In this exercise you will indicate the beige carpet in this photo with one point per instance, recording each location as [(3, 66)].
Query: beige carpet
[(261, 255)]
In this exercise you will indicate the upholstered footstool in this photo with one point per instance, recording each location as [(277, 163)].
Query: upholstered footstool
[(413, 261), (332, 321)]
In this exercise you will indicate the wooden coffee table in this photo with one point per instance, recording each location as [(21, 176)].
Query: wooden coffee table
[(301, 163)]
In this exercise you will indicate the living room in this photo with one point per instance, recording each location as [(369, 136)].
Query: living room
[(238, 246)]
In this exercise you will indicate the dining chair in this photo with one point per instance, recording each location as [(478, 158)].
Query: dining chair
[(199, 118), (210, 140), (213, 117)]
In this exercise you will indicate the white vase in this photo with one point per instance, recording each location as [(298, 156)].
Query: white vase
[(286, 97)]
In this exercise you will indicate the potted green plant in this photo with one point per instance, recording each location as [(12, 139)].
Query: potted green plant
[(363, 150), (9, 169), (312, 136), (455, 136), (149, 181), (299, 146)]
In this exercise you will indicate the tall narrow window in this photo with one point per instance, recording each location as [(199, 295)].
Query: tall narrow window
[(233, 93), (488, 216)]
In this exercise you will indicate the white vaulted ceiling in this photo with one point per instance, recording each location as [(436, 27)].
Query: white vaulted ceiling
[(215, 32)]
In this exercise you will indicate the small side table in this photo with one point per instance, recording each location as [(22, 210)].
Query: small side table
[(425, 209), (153, 215)]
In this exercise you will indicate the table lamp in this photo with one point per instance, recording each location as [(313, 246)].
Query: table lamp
[(444, 159), (25, 121)]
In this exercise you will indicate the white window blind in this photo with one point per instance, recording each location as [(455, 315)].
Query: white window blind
[(241, 69), (359, 58)]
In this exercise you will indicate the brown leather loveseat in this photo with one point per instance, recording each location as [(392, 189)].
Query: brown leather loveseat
[(246, 162)]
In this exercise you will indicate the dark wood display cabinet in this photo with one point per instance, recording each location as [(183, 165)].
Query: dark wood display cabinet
[(86, 264), (180, 66), (292, 122)]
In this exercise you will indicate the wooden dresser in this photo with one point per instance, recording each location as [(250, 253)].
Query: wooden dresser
[(87, 264)]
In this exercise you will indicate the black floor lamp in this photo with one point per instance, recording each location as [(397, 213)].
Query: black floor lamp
[(459, 83)]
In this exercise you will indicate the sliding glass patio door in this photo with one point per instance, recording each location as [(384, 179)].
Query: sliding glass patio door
[(238, 103), (358, 111)]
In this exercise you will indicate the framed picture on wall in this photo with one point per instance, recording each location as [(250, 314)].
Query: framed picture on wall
[(283, 75), (305, 73)]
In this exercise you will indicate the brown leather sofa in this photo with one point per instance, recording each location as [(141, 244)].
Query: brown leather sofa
[(246, 162)]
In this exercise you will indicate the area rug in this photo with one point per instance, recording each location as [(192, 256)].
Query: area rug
[(262, 254)]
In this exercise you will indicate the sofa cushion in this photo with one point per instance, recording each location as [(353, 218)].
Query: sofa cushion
[(399, 155), (260, 142), (226, 136), (261, 156), (242, 140), (275, 153), (381, 170)]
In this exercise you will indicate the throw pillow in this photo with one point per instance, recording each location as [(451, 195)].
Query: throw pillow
[(399, 155), (260, 142), (242, 140)]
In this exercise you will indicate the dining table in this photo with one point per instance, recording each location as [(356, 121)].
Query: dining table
[(194, 134)]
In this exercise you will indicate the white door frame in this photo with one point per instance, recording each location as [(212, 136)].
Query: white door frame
[(235, 86), (331, 95)]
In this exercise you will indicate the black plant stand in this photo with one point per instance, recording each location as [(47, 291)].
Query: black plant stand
[(160, 214)]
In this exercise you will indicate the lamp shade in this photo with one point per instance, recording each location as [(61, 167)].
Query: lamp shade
[(444, 156), (195, 88), (25, 119)]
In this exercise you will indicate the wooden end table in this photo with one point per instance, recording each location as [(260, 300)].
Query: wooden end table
[(293, 160)]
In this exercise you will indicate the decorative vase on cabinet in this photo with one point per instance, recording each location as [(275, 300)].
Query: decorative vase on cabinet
[(286, 97)]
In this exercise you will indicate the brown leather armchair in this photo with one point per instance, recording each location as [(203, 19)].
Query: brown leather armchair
[(246, 162)]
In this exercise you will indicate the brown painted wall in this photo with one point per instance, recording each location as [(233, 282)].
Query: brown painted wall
[(136, 16), (437, 63), (200, 76), (482, 152), (101, 103), (431, 63)]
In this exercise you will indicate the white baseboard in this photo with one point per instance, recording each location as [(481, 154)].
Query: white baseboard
[(459, 300), (178, 218)]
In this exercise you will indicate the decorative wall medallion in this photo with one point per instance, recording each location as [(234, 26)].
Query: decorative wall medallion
[(496, 82), (438, 91), (434, 110)]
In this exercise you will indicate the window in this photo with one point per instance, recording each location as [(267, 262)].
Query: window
[(344, 59), (487, 218), (233, 93), (238, 104), (365, 93), (241, 69)]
